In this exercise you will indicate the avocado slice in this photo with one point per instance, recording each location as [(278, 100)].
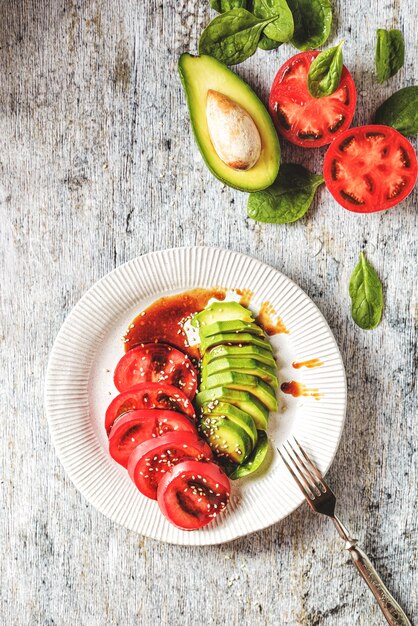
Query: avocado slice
[(226, 438), (243, 366), (231, 326), (222, 312), (256, 459), (244, 382), (233, 339), (200, 74), (241, 399), (249, 351), (233, 413)]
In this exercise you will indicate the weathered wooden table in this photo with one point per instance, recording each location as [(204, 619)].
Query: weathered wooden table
[(97, 166)]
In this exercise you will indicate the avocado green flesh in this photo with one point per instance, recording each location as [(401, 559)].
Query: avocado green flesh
[(222, 312), (254, 462), (233, 413), (244, 366), (244, 382), (233, 339), (227, 439), (250, 351), (241, 399), (200, 74), (232, 326)]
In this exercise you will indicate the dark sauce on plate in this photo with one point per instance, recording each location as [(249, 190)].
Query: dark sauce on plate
[(163, 320), (296, 389), (309, 364)]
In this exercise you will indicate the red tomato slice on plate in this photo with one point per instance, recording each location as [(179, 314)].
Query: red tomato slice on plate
[(302, 119), (370, 168), (193, 494), (156, 362), (148, 396), (150, 460), (135, 427)]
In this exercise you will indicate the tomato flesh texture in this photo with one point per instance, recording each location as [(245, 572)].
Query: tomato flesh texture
[(370, 168), (152, 459), (135, 427), (193, 494), (148, 396), (302, 119), (156, 362)]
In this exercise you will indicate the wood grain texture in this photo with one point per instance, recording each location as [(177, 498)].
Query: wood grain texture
[(97, 166)]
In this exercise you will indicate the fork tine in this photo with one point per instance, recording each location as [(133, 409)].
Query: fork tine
[(303, 468), (312, 467), (302, 482)]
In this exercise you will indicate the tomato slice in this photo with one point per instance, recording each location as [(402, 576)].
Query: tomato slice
[(148, 396), (302, 119), (136, 427), (370, 168), (152, 459), (193, 493), (156, 362)]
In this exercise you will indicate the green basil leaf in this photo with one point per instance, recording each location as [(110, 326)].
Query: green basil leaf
[(226, 5), (400, 111), (281, 29), (266, 43), (324, 75), (366, 295), (257, 457), (390, 53), (312, 19), (232, 37), (288, 198)]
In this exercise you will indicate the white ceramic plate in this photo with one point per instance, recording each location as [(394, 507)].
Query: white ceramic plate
[(79, 387)]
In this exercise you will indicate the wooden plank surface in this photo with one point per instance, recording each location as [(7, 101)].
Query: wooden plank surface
[(97, 166)]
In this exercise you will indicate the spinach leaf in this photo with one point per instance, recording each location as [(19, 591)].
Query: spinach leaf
[(390, 53), (400, 111), (366, 295), (266, 43), (325, 72), (282, 27), (312, 19), (288, 198), (255, 460), (226, 5), (232, 37)]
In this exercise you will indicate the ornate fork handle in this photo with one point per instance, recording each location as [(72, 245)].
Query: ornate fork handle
[(394, 614), (390, 608)]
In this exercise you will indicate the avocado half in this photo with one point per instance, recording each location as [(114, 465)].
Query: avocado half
[(199, 74)]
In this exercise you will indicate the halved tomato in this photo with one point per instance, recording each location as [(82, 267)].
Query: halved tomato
[(152, 459), (148, 396), (370, 168), (193, 493), (302, 119), (135, 427), (156, 362)]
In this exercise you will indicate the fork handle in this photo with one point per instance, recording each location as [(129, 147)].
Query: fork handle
[(394, 614)]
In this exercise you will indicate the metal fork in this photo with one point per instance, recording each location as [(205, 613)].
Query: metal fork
[(322, 500)]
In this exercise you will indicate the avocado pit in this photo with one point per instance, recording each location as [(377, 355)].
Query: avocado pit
[(232, 130)]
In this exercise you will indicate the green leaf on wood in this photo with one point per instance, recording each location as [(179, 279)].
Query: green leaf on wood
[(281, 29), (366, 295), (400, 111), (312, 20), (232, 37), (390, 53), (226, 5), (288, 199), (266, 43)]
